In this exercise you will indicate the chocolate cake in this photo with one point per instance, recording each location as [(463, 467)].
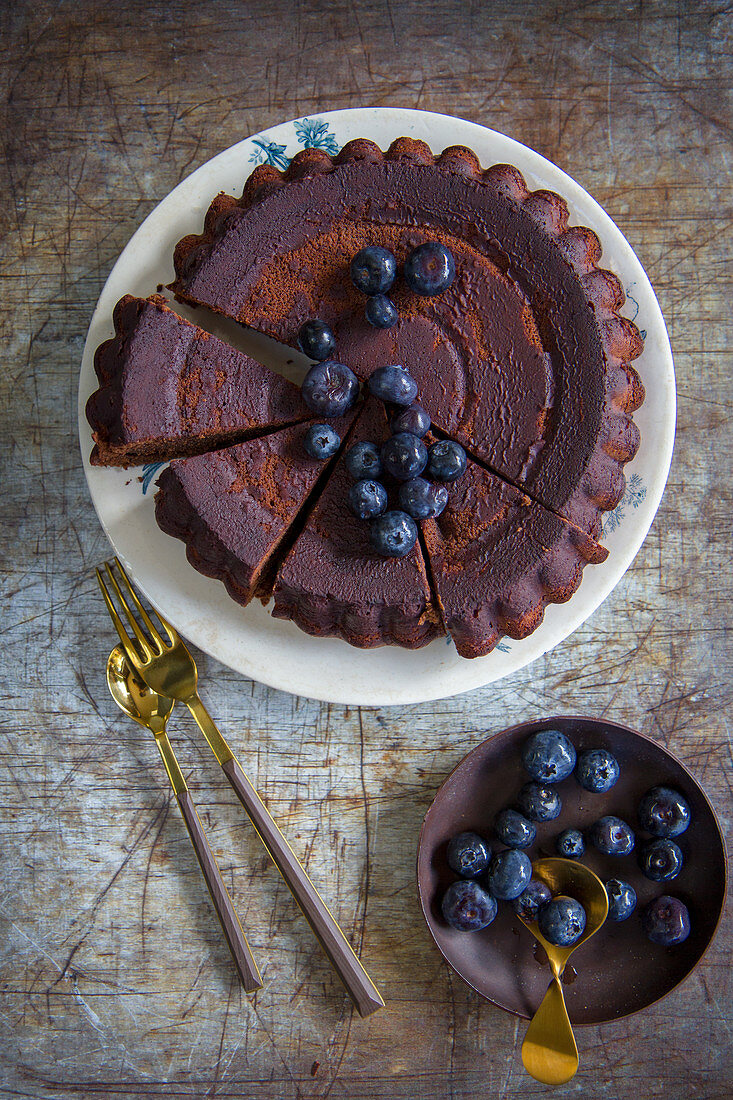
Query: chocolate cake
[(168, 388), (524, 360), (333, 583), (497, 558), (234, 507)]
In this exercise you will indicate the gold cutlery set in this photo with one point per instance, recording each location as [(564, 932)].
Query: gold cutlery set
[(147, 674)]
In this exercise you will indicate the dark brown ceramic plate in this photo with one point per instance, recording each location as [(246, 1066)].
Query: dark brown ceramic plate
[(618, 971)]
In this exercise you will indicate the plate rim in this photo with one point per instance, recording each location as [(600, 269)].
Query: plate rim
[(512, 731), (461, 675)]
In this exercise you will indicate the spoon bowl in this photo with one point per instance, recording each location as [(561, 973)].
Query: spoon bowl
[(549, 1051), (133, 696)]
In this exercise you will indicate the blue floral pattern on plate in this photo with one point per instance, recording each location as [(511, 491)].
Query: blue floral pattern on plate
[(310, 133), (633, 496)]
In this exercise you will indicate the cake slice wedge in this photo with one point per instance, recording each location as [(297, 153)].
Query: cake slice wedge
[(333, 583), (168, 389), (497, 558), (234, 507)]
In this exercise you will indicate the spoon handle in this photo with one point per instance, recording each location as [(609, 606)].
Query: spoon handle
[(549, 1051), (345, 962), (232, 929)]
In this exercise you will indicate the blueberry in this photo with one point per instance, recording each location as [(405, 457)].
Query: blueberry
[(394, 534), (380, 311), (661, 860), (321, 441), (514, 830), (597, 770), (467, 907), (412, 419), (570, 844), (612, 836), (316, 340), (330, 388), (529, 903), (664, 812), (430, 269), (562, 921), (393, 383), (468, 855), (404, 456), (508, 875), (446, 460), (367, 499), (548, 756), (373, 270), (539, 803), (363, 460), (621, 899), (420, 498), (666, 921)]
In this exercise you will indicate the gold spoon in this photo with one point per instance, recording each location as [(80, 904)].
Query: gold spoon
[(152, 711), (549, 1051)]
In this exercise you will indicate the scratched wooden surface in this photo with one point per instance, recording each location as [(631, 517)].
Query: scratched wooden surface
[(113, 977)]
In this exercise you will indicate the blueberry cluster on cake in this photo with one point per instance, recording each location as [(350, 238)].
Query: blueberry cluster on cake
[(473, 286)]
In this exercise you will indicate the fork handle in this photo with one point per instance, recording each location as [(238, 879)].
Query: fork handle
[(345, 962), (226, 913), (333, 941)]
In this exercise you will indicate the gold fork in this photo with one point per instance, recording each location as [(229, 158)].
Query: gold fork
[(168, 668)]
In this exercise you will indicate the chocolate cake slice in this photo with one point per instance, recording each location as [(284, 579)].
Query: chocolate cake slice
[(496, 559), (234, 507), (333, 583), (524, 359), (167, 388)]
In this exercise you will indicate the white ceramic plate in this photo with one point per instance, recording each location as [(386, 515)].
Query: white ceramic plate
[(278, 653)]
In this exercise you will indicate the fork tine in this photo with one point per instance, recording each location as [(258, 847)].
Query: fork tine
[(143, 613), (170, 630), (144, 643), (127, 643)]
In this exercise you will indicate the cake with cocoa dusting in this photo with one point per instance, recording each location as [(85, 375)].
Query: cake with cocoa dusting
[(524, 360)]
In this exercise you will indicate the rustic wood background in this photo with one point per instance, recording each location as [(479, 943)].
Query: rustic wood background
[(114, 979)]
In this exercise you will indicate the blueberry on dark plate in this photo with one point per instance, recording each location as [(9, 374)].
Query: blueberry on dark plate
[(367, 499), (412, 419), (363, 460), (316, 340), (612, 836), (404, 456), (468, 854), (467, 907), (430, 269), (381, 312), (621, 899), (666, 921), (321, 441), (661, 860), (446, 460), (393, 383), (509, 874), (514, 830), (393, 534), (539, 803), (421, 498), (562, 921), (548, 756), (330, 388), (664, 812), (373, 269), (570, 844), (532, 899), (597, 770)]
